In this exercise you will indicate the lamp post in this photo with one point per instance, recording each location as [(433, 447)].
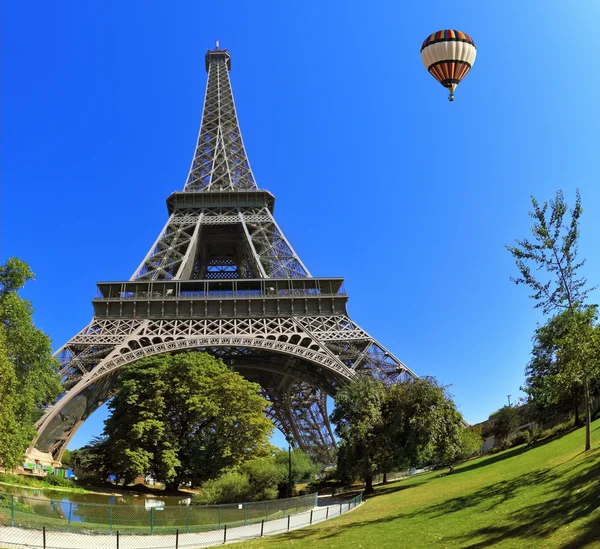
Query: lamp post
[(289, 439)]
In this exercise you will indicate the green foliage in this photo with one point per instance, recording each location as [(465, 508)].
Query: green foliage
[(358, 421), (230, 487), (28, 378), (540, 497), (522, 437), (304, 469), (54, 480), (67, 459), (7, 501), (504, 422), (553, 252), (404, 425), (422, 424), (184, 418), (94, 461), (264, 476), (549, 266), (258, 479), (549, 383), (47, 481)]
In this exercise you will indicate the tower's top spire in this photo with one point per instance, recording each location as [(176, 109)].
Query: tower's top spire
[(220, 162), (217, 55)]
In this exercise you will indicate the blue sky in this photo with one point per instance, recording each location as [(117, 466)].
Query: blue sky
[(378, 178)]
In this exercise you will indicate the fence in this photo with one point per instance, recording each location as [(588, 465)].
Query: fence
[(377, 479), (18, 533), (155, 518)]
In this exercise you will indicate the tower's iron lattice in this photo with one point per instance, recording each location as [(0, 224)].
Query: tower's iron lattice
[(223, 278)]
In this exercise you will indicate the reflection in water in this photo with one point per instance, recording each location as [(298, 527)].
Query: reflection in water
[(128, 498)]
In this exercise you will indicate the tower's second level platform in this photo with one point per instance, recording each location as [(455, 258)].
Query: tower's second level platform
[(265, 297)]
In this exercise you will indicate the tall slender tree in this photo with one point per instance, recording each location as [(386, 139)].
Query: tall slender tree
[(548, 264)]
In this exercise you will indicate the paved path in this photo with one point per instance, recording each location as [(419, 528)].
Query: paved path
[(18, 538)]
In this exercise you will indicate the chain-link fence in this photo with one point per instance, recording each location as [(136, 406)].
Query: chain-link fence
[(152, 518), (24, 527)]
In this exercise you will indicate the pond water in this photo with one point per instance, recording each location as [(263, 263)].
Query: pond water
[(101, 497)]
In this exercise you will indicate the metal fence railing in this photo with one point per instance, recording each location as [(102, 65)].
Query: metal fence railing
[(377, 479), (22, 527)]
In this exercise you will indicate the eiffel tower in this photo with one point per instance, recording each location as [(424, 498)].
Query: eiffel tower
[(221, 277)]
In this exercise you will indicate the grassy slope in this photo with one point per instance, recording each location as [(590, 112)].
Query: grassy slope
[(544, 496)]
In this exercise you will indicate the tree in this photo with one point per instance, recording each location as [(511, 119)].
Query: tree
[(548, 389), (421, 424), (558, 285), (358, 423), (11, 450), (504, 422), (28, 378), (458, 448), (184, 418), (93, 459), (304, 469), (386, 427)]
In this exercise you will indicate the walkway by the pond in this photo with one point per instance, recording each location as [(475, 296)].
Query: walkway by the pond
[(19, 538)]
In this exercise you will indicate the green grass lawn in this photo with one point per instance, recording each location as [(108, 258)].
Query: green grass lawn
[(545, 496)]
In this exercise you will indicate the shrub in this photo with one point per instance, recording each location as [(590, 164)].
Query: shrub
[(231, 487), (264, 476), (494, 450), (54, 480), (534, 433), (522, 437), (546, 433)]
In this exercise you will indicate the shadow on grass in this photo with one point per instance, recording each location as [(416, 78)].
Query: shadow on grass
[(577, 496), (571, 493), (501, 456), (390, 488)]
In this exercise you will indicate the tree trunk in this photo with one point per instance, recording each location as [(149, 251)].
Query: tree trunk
[(588, 413), (384, 481), (369, 484)]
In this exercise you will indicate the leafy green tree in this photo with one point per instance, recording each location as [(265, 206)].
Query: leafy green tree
[(184, 418), (28, 378), (504, 422), (11, 449), (421, 423), (549, 390), (549, 266), (358, 423), (387, 427), (67, 458), (95, 459), (458, 448)]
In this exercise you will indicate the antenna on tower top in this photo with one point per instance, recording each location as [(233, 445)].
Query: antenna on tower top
[(217, 44)]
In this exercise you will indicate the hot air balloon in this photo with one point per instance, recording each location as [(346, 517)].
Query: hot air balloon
[(448, 55)]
